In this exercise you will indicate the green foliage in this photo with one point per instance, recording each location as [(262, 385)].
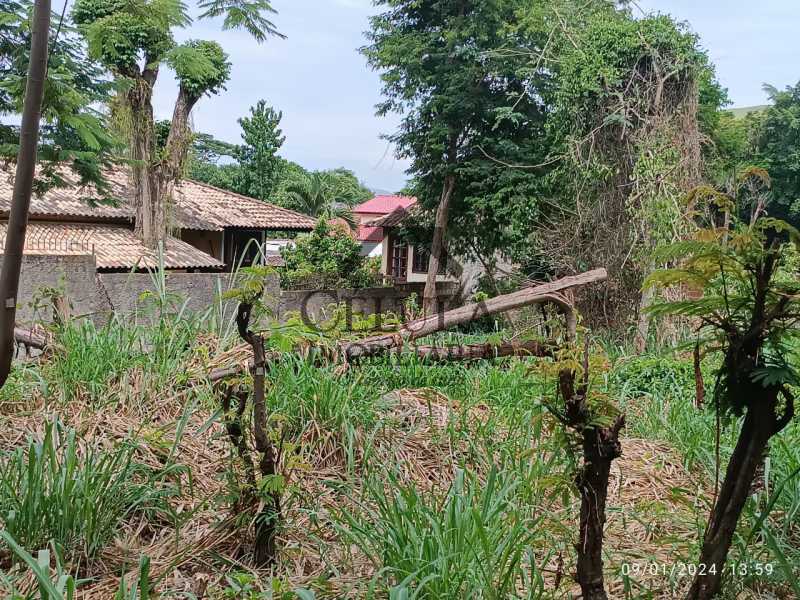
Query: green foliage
[(200, 66), (315, 197), (259, 165), (76, 498), (326, 258), (737, 259), (122, 34), (777, 140), (259, 172), (243, 14), (472, 542), (469, 110), (72, 131)]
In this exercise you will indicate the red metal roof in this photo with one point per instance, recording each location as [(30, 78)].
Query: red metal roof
[(383, 205)]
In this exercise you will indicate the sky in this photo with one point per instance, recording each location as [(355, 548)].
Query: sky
[(327, 94)]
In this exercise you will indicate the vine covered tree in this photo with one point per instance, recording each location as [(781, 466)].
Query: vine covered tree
[(133, 39), (748, 313), (627, 100)]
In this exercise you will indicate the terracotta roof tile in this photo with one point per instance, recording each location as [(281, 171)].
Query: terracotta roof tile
[(115, 247), (73, 201), (202, 206), (197, 205)]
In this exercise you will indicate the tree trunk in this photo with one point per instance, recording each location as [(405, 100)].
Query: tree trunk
[(145, 185), (600, 448), (759, 425), (429, 296), (546, 292), (170, 169), (266, 526), (23, 184), (484, 351)]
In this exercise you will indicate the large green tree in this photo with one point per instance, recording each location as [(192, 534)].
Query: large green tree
[(73, 132), (257, 156), (467, 115), (777, 148), (133, 39)]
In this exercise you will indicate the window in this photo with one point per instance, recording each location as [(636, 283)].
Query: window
[(399, 259), (420, 261)]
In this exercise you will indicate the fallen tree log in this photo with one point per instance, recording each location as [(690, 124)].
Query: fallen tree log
[(432, 353), (484, 351), (539, 294)]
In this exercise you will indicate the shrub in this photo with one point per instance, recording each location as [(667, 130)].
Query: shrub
[(326, 258)]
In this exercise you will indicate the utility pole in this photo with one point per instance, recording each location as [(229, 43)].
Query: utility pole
[(23, 183)]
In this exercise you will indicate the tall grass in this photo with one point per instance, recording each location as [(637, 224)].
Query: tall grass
[(72, 495), (658, 394), (473, 543)]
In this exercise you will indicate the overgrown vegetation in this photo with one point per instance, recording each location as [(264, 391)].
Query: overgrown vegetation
[(231, 454), (398, 476), (327, 258)]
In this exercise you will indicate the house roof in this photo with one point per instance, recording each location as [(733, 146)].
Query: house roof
[(200, 205), (383, 205), (114, 246), (197, 205), (369, 234)]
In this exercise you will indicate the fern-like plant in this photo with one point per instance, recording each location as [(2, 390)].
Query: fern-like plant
[(748, 311)]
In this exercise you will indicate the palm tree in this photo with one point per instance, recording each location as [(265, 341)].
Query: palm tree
[(314, 196)]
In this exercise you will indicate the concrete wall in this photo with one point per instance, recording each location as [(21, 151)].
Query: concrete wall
[(74, 275), (97, 295)]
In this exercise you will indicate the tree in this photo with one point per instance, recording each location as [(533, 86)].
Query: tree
[(624, 123), (23, 183), (439, 72), (748, 314), (326, 258), (133, 39), (776, 142), (315, 196), (72, 132), (345, 186), (205, 159), (257, 156)]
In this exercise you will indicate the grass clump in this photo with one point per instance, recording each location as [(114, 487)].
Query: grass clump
[(59, 491), (472, 543)]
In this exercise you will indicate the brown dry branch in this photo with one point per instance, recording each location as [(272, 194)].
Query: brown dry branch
[(545, 293)]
